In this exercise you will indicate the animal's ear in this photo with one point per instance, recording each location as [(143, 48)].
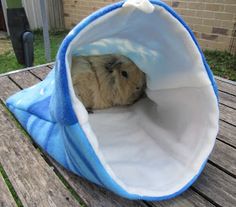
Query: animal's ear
[(113, 64)]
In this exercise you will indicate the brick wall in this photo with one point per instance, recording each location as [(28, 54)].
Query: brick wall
[(212, 21)]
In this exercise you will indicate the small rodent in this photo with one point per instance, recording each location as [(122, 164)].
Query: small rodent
[(103, 81)]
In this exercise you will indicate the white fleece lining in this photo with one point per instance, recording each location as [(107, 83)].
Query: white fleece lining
[(155, 147)]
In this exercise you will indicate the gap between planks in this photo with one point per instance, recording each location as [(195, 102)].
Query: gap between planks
[(6, 198)]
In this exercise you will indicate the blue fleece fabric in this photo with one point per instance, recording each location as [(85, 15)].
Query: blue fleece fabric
[(45, 111)]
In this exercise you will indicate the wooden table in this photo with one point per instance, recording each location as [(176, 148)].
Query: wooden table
[(36, 180)]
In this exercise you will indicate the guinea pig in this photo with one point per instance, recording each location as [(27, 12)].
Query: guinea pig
[(104, 81)]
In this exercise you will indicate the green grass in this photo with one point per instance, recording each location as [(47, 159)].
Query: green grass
[(223, 64), (8, 61), (10, 187)]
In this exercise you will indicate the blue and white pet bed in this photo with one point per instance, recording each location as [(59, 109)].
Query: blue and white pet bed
[(152, 150)]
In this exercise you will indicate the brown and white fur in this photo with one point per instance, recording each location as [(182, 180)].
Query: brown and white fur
[(104, 81)]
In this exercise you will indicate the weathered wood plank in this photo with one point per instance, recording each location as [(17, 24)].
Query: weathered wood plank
[(217, 185), (32, 178), (94, 195), (230, 137), (227, 99), (227, 133), (187, 199), (224, 156), (226, 87), (228, 114), (24, 79), (41, 72), (225, 80), (6, 199), (7, 87), (50, 65)]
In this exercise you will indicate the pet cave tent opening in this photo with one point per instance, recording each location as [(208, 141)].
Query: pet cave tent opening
[(152, 150)]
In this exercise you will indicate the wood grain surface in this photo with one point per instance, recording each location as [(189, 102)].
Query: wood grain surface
[(214, 187), (227, 133), (226, 87), (217, 185), (33, 179), (41, 73)]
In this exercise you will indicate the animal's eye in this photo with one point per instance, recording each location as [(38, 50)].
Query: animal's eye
[(124, 73), (137, 88)]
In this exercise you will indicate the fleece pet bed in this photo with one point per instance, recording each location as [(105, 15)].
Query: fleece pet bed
[(152, 150)]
